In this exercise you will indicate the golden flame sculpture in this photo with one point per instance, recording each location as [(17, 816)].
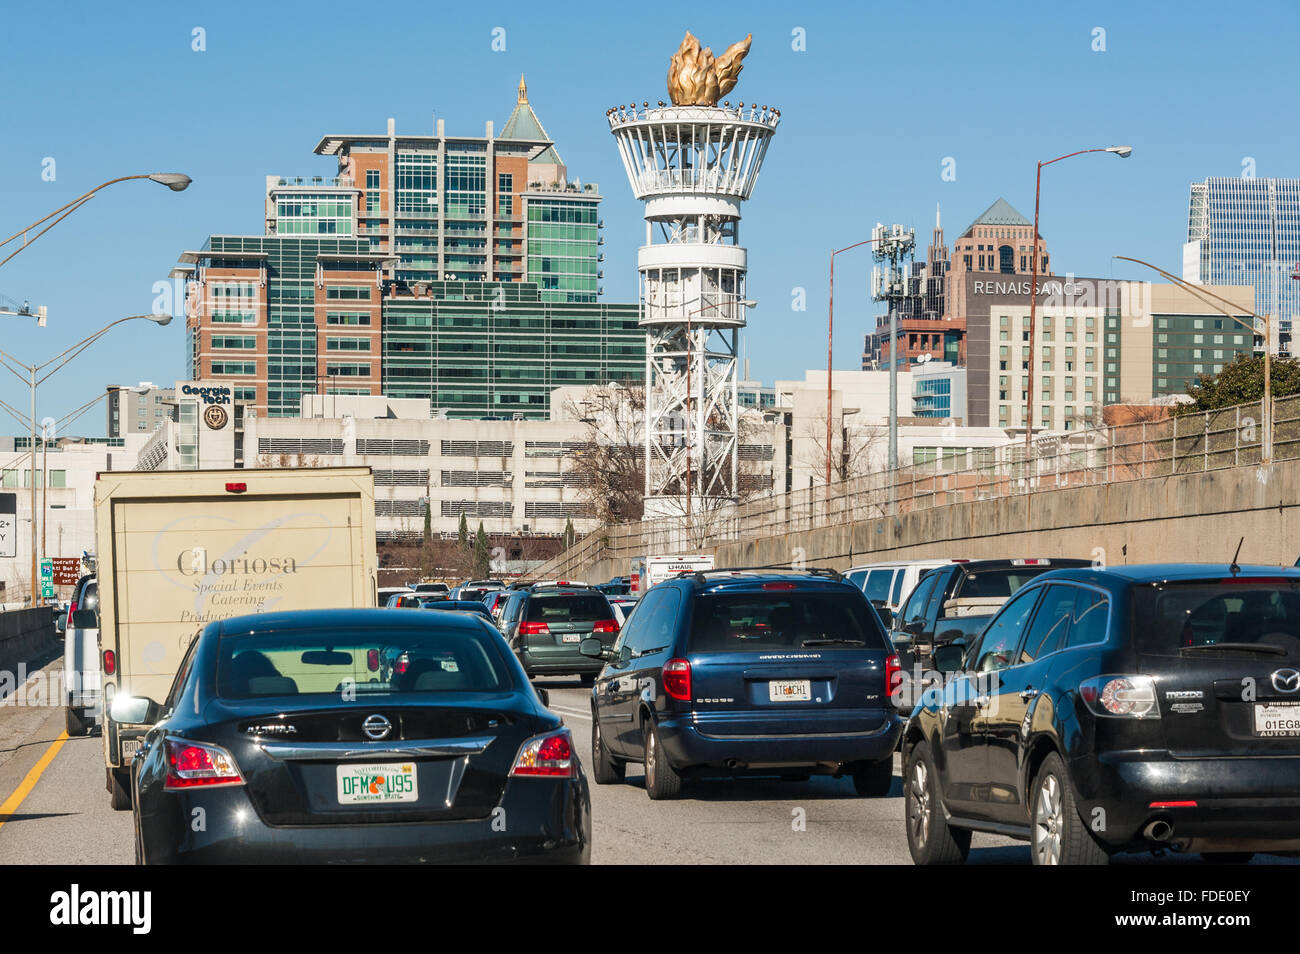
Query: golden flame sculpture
[(696, 78)]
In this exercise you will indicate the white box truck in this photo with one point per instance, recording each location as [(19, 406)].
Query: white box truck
[(181, 549), (647, 571)]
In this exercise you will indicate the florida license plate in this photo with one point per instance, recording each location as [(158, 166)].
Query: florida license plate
[(377, 784), (789, 690), (1277, 719)]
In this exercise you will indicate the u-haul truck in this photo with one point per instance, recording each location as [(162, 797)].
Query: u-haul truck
[(181, 549), (647, 571)]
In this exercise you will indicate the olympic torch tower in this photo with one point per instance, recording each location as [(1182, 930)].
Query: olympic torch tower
[(692, 163)]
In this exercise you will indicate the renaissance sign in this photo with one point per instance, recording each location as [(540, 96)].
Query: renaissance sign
[(1124, 297)]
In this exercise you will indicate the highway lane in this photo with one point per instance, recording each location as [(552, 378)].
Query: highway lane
[(66, 818)]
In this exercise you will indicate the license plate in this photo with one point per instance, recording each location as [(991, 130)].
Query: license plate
[(1277, 719), (377, 784), (789, 690), (129, 748), (571, 637)]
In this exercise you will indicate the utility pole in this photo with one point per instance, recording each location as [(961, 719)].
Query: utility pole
[(893, 244)]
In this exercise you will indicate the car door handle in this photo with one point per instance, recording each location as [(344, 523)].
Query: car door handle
[(1027, 694)]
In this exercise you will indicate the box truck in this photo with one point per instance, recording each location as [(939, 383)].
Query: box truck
[(181, 549), (649, 570)]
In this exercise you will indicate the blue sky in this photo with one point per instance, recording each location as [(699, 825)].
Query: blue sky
[(879, 98)]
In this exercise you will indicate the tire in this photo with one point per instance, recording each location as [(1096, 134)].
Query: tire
[(1227, 857), (930, 839), (875, 779), (118, 789), (661, 780), (76, 725), (603, 768), (1058, 836)]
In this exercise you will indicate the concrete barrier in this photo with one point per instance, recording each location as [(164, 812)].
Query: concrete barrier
[(24, 634)]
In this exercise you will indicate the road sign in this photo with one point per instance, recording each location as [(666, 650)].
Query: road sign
[(8, 525), (47, 591), (47, 570), (67, 570)]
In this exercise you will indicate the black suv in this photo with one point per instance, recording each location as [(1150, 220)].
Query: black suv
[(1117, 709), (747, 672), (545, 625)]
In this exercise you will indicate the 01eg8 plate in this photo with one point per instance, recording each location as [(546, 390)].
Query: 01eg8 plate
[(1277, 719), (377, 784), (789, 690)]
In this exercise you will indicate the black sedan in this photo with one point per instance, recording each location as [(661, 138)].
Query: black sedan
[(280, 743)]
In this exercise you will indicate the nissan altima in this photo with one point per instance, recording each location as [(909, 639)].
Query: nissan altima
[(285, 739)]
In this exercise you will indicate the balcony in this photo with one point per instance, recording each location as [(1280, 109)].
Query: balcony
[(315, 182)]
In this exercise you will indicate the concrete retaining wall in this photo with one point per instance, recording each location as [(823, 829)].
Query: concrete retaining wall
[(1191, 517), (25, 634)]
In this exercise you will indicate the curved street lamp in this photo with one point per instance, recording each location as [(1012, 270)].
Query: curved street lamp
[(176, 181), (32, 376)]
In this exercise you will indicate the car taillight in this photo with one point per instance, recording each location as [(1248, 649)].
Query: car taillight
[(372, 660), (893, 675), (1132, 697), (193, 764), (236, 488), (549, 755), (677, 679), (778, 586), (534, 629), (605, 626), (110, 662), (72, 608)]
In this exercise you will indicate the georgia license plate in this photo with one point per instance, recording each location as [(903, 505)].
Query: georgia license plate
[(129, 749), (789, 690), (370, 784), (1277, 719), (572, 638)]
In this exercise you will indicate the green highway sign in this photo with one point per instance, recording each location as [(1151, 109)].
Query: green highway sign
[(47, 570)]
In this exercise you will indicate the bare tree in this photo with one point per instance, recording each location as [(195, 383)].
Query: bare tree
[(853, 448)]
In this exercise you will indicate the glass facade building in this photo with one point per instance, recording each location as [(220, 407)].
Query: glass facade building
[(1246, 231)]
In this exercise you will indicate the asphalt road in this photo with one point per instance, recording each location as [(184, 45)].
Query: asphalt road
[(66, 818)]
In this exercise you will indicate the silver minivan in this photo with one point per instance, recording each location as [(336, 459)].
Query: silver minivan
[(889, 583), (81, 659)]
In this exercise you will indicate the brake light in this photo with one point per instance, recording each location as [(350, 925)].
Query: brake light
[(110, 662), (1131, 697), (549, 755), (193, 764), (401, 665), (677, 679), (778, 586), (1031, 562), (72, 608), (372, 660), (534, 629), (233, 488), (893, 675), (605, 626), (1172, 805)]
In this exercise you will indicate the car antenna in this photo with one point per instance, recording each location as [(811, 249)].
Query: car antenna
[(1233, 568)]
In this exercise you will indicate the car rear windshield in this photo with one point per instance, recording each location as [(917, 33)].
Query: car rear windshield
[(762, 622), (1266, 613), (329, 662), (998, 583), (568, 608)]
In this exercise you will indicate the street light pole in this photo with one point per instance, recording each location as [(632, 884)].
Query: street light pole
[(1123, 152), (830, 338)]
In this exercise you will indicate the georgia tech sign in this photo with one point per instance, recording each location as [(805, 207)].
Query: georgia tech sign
[(211, 394)]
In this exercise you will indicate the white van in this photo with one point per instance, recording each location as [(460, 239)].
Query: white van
[(888, 584), (81, 658)]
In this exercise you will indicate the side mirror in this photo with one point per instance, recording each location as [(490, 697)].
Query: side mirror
[(883, 611), (915, 628), (85, 619), (949, 658), (134, 710), (592, 647)]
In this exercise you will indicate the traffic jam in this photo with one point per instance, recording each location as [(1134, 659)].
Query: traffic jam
[(242, 667)]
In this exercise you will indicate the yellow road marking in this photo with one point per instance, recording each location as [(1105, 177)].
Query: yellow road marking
[(13, 801)]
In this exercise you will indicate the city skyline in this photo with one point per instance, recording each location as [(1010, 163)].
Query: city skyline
[(128, 76)]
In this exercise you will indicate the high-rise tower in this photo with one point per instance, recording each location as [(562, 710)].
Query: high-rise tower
[(692, 163)]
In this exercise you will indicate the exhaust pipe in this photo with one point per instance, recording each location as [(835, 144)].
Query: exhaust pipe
[(1158, 830)]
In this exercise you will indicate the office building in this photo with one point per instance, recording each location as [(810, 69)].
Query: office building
[(1246, 231), (136, 410), (939, 391)]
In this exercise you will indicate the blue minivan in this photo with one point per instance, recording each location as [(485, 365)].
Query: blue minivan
[(747, 673)]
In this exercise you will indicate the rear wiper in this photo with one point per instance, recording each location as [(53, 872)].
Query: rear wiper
[(1266, 649), (832, 642)]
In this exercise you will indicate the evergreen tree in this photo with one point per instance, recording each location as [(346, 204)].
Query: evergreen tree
[(462, 534), (570, 535), (428, 524), (482, 554)]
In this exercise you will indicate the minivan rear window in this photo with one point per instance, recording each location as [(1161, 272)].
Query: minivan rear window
[(878, 584), (762, 622), (1173, 617), (568, 608)]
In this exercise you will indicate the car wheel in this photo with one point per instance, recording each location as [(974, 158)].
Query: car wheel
[(1227, 857), (119, 793), (1058, 835), (604, 769), (661, 781), (930, 839), (875, 778), (74, 722)]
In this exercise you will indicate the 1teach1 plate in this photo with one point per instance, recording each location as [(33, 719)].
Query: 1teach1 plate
[(789, 690), (377, 784)]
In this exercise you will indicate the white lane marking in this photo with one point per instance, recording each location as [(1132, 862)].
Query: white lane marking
[(576, 713)]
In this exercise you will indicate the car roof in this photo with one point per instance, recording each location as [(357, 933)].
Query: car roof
[(713, 580), (888, 564), (313, 619), (1168, 572)]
